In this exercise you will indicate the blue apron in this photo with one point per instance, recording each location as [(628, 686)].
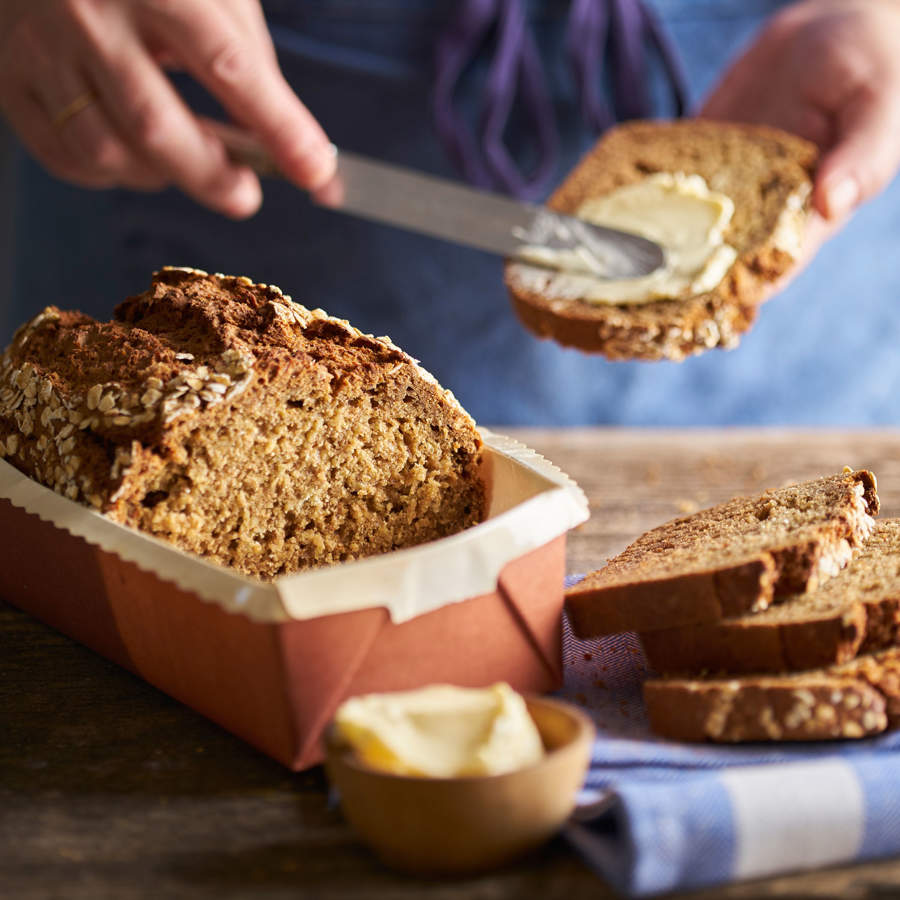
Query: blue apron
[(821, 352)]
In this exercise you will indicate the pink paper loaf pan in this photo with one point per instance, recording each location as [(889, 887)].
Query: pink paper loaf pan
[(270, 661)]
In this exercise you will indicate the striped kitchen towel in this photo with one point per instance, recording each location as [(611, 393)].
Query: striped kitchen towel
[(657, 815)]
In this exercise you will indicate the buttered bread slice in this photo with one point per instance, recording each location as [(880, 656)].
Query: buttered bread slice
[(742, 190), (728, 560), (857, 611)]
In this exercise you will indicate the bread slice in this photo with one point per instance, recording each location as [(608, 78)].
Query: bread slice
[(852, 700), (730, 559), (857, 611), (767, 173), (219, 415)]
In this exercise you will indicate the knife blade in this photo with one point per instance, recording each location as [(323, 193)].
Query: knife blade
[(422, 203)]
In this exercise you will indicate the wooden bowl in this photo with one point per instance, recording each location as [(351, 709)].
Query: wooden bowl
[(461, 825)]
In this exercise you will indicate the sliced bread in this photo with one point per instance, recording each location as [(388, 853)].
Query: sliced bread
[(852, 700), (221, 416), (729, 560), (856, 611), (766, 173)]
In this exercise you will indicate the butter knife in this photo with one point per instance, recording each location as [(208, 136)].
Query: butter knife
[(440, 208)]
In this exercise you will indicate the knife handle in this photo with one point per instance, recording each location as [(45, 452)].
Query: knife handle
[(243, 148)]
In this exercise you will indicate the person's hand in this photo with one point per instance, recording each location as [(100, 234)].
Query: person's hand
[(82, 84), (828, 70)]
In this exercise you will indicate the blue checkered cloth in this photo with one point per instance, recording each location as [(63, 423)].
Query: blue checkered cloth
[(656, 815)]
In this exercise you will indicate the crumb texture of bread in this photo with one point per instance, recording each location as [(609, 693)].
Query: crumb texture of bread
[(728, 560), (219, 415), (856, 611), (853, 700), (768, 175)]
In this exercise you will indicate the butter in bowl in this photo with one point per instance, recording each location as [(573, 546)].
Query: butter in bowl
[(448, 780)]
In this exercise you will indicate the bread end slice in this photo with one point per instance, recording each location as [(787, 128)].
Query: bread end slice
[(767, 173), (853, 700), (816, 708)]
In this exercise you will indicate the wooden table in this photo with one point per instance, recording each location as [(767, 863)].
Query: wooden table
[(110, 789)]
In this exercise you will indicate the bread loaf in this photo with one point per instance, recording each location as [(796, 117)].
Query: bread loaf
[(732, 559), (852, 700), (219, 415), (766, 173), (857, 611)]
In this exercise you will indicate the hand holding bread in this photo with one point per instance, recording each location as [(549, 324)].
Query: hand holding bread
[(765, 176), (829, 72)]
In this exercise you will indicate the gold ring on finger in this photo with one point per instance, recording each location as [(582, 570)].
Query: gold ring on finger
[(81, 102)]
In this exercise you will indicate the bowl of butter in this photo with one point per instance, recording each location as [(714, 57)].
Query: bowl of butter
[(450, 780)]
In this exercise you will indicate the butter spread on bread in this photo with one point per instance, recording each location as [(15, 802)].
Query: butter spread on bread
[(766, 173), (677, 211)]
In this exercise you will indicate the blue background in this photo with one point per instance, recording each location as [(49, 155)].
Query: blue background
[(823, 352)]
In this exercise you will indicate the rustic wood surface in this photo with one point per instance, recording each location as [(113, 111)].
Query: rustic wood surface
[(110, 789)]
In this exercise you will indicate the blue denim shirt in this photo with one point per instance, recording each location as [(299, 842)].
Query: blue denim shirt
[(821, 352)]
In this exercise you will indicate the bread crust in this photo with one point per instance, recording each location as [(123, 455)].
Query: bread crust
[(220, 415), (696, 597), (724, 712), (775, 166), (785, 647), (643, 590), (852, 700)]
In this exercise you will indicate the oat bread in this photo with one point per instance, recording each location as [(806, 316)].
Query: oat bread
[(767, 173), (857, 611), (730, 559), (219, 415), (852, 700)]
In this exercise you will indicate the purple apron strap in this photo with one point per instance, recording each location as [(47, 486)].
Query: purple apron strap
[(586, 35), (670, 57), (457, 47), (517, 64), (631, 98), (623, 29)]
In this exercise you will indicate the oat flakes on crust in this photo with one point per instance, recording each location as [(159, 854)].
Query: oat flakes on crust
[(220, 415)]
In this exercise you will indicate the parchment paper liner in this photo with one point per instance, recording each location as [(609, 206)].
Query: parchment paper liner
[(532, 502)]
